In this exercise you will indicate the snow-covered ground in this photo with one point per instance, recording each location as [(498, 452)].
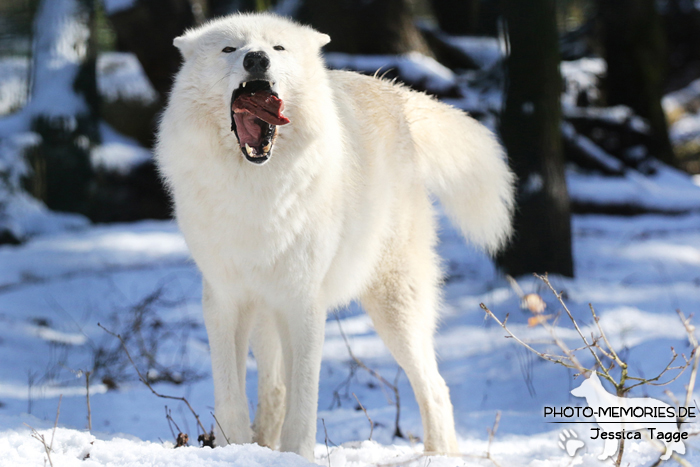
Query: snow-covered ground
[(55, 289)]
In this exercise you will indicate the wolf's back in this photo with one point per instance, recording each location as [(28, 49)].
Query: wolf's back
[(465, 167)]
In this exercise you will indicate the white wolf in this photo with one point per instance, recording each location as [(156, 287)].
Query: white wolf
[(299, 189)]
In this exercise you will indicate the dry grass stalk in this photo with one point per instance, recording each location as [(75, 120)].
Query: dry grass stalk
[(87, 394), (48, 448), (328, 450), (220, 428)]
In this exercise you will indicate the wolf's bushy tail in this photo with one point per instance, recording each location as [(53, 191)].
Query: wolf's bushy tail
[(465, 166)]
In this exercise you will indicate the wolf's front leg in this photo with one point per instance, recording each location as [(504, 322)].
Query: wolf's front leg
[(228, 326), (303, 346)]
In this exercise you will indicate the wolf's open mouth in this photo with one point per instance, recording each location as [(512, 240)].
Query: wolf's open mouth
[(256, 111)]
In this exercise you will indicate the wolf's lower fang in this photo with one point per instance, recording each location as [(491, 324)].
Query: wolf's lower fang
[(267, 147), (248, 149)]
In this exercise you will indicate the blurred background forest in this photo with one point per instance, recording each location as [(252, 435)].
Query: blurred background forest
[(595, 93)]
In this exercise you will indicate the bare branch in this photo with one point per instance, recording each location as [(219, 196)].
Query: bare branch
[(371, 423), (55, 423), (148, 385), (394, 388), (554, 359), (615, 357), (690, 329), (545, 279), (220, 429), (328, 450), (87, 393)]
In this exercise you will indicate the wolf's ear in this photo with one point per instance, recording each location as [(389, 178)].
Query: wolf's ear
[(322, 39), (318, 38), (185, 44)]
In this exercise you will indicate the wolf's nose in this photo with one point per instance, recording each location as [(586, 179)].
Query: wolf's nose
[(256, 62)]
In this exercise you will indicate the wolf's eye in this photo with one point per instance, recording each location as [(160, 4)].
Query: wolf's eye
[(228, 50), (278, 47)]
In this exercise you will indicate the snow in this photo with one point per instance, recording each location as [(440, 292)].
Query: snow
[(683, 109), (120, 76), (686, 129), (13, 83), (589, 147), (20, 214), (668, 190), (581, 75), (54, 289), (485, 51), (60, 46), (413, 67), (618, 114), (118, 153), (75, 448), (288, 8), (115, 6)]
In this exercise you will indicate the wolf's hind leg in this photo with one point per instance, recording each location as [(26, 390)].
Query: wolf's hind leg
[(269, 417), (403, 306)]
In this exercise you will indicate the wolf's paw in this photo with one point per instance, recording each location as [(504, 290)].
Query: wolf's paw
[(569, 442)]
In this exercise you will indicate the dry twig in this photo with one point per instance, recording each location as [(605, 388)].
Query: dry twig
[(325, 432), (371, 423), (380, 378), (492, 434), (48, 448), (87, 393), (205, 438), (220, 428)]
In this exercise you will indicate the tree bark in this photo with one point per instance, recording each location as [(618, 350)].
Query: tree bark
[(457, 17), (218, 8), (530, 128), (635, 51), (362, 27)]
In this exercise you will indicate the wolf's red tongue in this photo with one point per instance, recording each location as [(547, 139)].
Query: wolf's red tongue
[(263, 105)]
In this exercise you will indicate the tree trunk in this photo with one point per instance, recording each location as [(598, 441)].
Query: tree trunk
[(530, 128), (635, 51), (457, 17), (218, 8), (147, 29), (362, 27)]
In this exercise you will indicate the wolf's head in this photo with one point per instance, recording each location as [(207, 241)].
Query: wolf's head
[(246, 69)]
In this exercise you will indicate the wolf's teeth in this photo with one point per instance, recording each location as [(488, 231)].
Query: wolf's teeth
[(248, 149), (267, 147), (244, 83), (271, 83)]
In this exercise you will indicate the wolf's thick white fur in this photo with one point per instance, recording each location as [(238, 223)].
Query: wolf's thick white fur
[(341, 211)]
